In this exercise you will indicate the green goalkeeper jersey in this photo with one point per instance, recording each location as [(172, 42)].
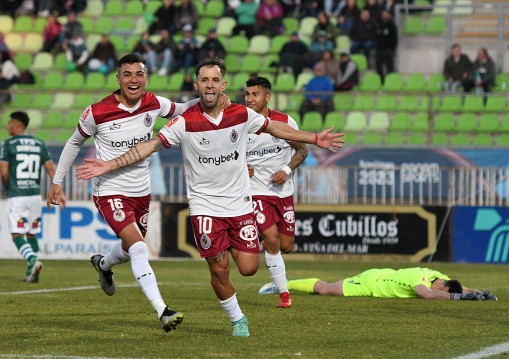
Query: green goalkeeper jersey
[(25, 155), (401, 283)]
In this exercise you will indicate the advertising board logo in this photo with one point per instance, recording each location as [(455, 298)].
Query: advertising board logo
[(488, 219)]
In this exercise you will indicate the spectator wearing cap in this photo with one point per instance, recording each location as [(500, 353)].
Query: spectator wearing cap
[(319, 44), (186, 14), (187, 49), (362, 35), (348, 76), (73, 26), (324, 24), (104, 56), (318, 92), (269, 18), (211, 47), (292, 54), (386, 43), (77, 53), (246, 18)]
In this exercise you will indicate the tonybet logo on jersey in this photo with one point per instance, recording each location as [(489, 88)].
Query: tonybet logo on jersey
[(265, 151), (219, 159), (130, 143)]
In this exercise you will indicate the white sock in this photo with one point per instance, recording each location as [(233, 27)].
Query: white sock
[(115, 256), (145, 276), (231, 308), (276, 266)]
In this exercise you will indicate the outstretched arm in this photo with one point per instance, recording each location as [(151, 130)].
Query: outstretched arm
[(96, 167), (324, 139)]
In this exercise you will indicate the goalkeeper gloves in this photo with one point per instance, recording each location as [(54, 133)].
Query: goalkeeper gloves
[(477, 296), (489, 296)]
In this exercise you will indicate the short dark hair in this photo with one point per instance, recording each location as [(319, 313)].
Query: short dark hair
[(454, 286), (259, 81), (131, 59), (209, 62), (21, 117)]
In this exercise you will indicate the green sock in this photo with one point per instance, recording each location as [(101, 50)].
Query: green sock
[(34, 243), (24, 248), (302, 285)]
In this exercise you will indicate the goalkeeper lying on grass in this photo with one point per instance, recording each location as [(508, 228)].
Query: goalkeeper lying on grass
[(388, 283)]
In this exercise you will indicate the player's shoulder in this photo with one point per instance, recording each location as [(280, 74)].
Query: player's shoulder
[(275, 115)]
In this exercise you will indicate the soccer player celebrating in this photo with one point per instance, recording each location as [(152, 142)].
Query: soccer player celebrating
[(214, 146), (389, 283), (119, 122), (21, 157), (272, 184)]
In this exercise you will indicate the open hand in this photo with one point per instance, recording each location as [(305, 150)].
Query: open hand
[(92, 167), (328, 140)]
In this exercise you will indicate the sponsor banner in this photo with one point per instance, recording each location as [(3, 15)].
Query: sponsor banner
[(481, 235), (405, 231), (76, 232)]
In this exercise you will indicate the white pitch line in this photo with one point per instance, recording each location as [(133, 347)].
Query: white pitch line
[(487, 352), (36, 291), (26, 356)]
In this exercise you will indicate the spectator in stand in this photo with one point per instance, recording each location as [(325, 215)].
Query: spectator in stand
[(348, 76), (5, 95), (319, 45), (145, 48), (269, 18), (211, 47), (43, 8), (246, 18), (186, 13), (3, 45), (386, 43), (10, 71), (165, 50), (292, 54), (187, 49), (347, 15), (310, 8), (457, 69), (363, 35), (330, 64), (77, 53), (390, 6), (104, 57), (324, 24), (164, 18), (333, 7), (67, 6), (375, 10), (187, 90), (51, 35), (290, 7), (318, 92), (72, 27), (482, 74)]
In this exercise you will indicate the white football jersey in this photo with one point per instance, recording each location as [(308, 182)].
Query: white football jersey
[(269, 154), (214, 153), (116, 128)]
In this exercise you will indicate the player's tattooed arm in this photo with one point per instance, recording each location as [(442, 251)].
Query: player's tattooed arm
[(139, 152), (301, 152)]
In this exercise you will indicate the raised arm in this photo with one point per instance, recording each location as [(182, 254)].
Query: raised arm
[(324, 139), (94, 167)]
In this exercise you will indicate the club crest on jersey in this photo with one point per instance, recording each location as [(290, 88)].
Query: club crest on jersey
[(260, 218), (234, 136), (275, 139), (289, 216), (147, 120), (118, 215), (21, 222), (36, 223), (205, 241), (248, 233)]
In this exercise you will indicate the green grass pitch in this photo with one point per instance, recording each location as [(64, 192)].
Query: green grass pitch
[(67, 315)]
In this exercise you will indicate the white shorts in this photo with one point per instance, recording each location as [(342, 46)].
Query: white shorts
[(25, 214)]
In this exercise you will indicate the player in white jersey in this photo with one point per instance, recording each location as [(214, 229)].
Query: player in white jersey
[(214, 145), (119, 122), (272, 185)]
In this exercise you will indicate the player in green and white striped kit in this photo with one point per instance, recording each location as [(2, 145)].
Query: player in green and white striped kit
[(21, 158)]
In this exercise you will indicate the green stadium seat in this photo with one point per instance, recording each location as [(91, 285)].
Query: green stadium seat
[(343, 43), (421, 122), (312, 121), (225, 26), (113, 8), (294, 101), (74, 81), (489, 122), (83, 100), (204, 25), (14, 41), (336, 119), (460, 139), (450, 103), (277, 43), (351, 139), (393, 82), (416, 139), (400, 122), (63, 101), (88, 25), (415, 82), (440, 7), (356, 122), (279, 101), (502, 140), (378, 121), (440, 139), (444, 122), (495, 103), (232, 63), (123, 25), (6, 24), (483, 140), (386, 102), (35, 118), (45, 135), (372, 138), (251, 63), (296, 117), (285, 82), (361, 61), (501, 83), (33, 42), (436, 25), (20, 101), (395, 139), (63, 135), (504, 126), (435, 83), (307, 25), (370, 82), (239, 80), (103, 25), (23, 23), (259, 45), (342, 102), (96, 81), (270, 63), (213, 9), (473, 103), (158, 83), (42, 100), (408, 103), (133, 8), (111, 81), (94, 8), (238, 45), (200, 7), (60, 62), (118, 41), (43, 61), (72, 117), (23, 61), (175, 82), (363, 102), (414, 25), (467, 122), (290, 24), (302, 80), (463, 7), (52, 119)]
